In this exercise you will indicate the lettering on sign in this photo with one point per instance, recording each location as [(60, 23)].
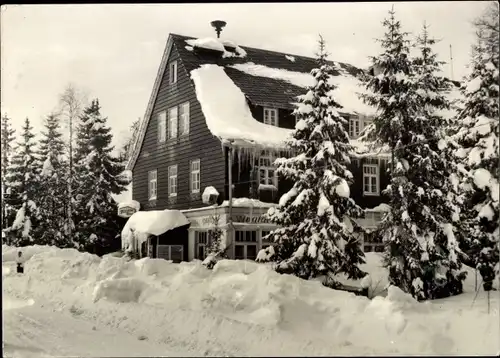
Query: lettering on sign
[(261, 219)]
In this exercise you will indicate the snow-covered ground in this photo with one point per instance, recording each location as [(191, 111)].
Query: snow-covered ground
[(69, 303)]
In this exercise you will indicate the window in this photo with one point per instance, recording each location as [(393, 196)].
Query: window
[(245, 247), (267, 172), (162, 126), (201, 241), (195, 176), (171, 252), (184, 118), (370, 179), (271, 116), (172, 122), (354, 127), (153, 184), (172, 180), (173, 72)]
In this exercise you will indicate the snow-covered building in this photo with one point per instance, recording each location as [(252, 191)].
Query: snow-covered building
[(218, 116)]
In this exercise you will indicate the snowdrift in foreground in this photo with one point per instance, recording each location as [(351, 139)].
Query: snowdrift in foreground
[(244, 308)]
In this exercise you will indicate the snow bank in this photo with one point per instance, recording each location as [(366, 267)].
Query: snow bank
[(246, 202), (9, 303), (9, 253), (233, 121), (155, 222), (245, 308), (345, 94)]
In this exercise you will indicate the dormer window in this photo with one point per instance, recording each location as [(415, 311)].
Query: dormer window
[(271, 116), (173, 72), (354, 127)]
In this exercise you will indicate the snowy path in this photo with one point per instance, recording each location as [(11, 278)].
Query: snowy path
[(35, 331)]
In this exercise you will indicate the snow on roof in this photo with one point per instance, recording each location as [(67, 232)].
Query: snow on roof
[(345, 94), (210, 43), (227, 113), (233, 122), (246, 202), (155, 222), (290, 58)]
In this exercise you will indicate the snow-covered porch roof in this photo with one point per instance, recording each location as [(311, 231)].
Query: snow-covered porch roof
[(143, 224)]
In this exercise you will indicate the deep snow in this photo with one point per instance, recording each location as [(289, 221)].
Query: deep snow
[(240, 308)]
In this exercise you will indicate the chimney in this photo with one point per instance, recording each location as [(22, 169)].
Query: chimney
[(218, 25)]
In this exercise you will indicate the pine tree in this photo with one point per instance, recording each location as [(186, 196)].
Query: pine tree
[(53, 187), (24, 182), (7, 139), (318, 234), (97, 175), (421, 249), (478, 149)]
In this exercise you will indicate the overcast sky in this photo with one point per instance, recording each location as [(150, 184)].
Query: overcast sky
[(113, 51)]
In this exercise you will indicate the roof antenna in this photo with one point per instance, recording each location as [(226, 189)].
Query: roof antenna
[(218, 25)]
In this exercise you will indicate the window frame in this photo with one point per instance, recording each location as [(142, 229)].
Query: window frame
[(196, 171), (155, 181), (162, 126), (169, 256), (270, 110), (372, 176), (353, 122), (199, 244), (171, 193), (173, 72), (245, 243), (183, 119), (266, 168), (170, 119)]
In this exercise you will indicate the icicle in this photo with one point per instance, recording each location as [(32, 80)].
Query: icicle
[(239, 164)]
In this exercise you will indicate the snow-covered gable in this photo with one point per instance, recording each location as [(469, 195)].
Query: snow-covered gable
[(260, 90)]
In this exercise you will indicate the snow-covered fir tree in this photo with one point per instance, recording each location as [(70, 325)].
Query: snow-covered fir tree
[(318, 235), (97, 176), (421, 251), (52, 197), (7, 148), (24, 183), (478, 149)]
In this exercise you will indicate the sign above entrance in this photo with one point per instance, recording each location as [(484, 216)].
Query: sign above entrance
[(251, 219)]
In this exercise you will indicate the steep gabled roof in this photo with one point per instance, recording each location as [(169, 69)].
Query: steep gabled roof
[(271, 92), (262, 91)]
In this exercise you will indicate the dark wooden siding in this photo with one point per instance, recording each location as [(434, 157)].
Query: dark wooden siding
[(199, 144)]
